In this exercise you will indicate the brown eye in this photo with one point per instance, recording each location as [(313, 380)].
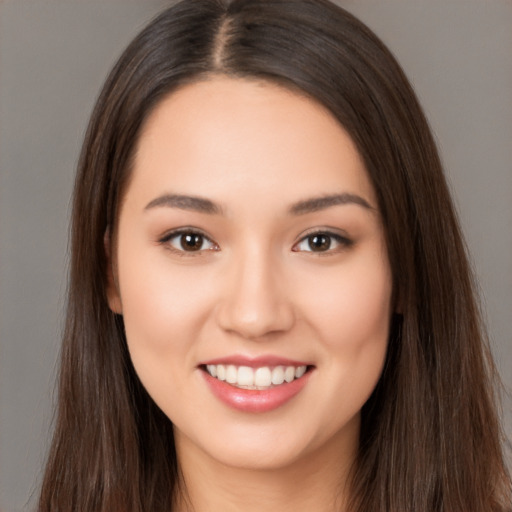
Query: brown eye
[(191, 241), (323, 241), (188, 241), (319, 242)]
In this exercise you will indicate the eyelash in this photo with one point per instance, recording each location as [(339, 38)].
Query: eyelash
[(166, 240), (343, 242)]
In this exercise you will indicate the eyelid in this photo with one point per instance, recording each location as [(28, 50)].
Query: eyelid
[(341, 238), (174, 233)]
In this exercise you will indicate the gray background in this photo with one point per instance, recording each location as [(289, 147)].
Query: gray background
[(54, 56)]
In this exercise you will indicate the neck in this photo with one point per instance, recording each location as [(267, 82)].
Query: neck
[(318, 481)]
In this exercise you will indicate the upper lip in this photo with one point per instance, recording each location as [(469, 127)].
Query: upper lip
[(255, 362)]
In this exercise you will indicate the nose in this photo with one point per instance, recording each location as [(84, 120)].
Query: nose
[(256, 303)]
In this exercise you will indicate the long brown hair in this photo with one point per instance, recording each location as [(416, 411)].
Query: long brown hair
[(430, 437)]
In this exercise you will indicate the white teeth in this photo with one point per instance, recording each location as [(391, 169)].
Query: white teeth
[(262, 377), (221, 372), (231, 374), (245, 376), (255, 378), (289, 373), (277, 375), (300, 371)]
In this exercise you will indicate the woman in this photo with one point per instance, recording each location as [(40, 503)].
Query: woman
[(270, 305)]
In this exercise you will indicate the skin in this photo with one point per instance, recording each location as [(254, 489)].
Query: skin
[(255, 287)]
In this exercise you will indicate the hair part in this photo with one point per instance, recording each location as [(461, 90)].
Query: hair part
[(430, 437)]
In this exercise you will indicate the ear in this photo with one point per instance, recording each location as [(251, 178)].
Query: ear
[(111, 281)]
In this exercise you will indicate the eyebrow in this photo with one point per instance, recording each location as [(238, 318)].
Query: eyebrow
[(321, 203), (202, 205), (192, 203)]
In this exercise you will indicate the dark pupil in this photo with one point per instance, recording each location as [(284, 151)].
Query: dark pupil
[(319, 242), (191, 242)]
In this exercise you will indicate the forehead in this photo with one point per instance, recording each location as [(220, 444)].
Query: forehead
[(224, 137)]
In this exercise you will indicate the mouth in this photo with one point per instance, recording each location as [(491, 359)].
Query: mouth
[(256, 384), (259, 378)]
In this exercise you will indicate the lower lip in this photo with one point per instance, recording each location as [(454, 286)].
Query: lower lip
[(253, 400)]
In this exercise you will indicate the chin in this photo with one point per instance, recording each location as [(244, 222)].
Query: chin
[(257, 458)]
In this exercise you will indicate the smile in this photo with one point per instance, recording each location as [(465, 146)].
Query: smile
[(261, 378), (256, 385)]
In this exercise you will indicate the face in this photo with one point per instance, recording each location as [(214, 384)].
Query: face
[(252, 275)]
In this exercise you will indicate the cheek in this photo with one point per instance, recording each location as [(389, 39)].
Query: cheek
[(164, 310), (164, 314), (353, 320), (352, 306), (351, 313)]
